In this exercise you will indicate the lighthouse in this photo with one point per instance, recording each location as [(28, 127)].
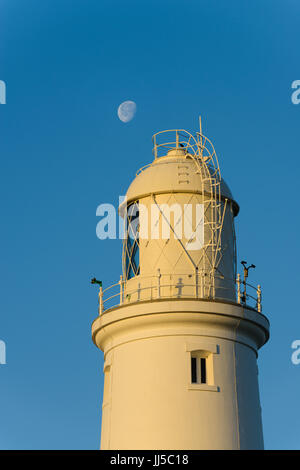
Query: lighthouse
[(180, 329)]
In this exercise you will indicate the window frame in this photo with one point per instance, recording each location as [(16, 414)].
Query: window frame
[(202, 351), (131, 245)]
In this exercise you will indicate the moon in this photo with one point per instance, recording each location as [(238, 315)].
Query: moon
[(126, 111)]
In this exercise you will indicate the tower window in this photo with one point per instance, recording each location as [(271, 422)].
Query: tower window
[(198, 370), (131, 243), (194, 369), (203, 369), (200, 362)]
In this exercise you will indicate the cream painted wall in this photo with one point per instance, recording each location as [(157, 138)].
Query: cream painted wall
[(149, 401)]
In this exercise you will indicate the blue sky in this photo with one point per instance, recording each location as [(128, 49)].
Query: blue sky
[(67, 66)]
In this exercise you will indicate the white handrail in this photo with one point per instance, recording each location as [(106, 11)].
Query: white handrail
[(158, 285)]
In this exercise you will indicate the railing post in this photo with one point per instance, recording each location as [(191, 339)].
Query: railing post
[(238, 283), (139, 291), (202, 285), (100, 296), (197, 283), (158, 283), (244, 296), (121, 289), (259, 298)]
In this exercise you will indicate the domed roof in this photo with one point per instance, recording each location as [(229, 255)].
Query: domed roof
[(176, 172)]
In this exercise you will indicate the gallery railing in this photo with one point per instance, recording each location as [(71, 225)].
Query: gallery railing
[(182, 286)]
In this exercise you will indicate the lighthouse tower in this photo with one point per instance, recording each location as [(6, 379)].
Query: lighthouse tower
[(180, 330)]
